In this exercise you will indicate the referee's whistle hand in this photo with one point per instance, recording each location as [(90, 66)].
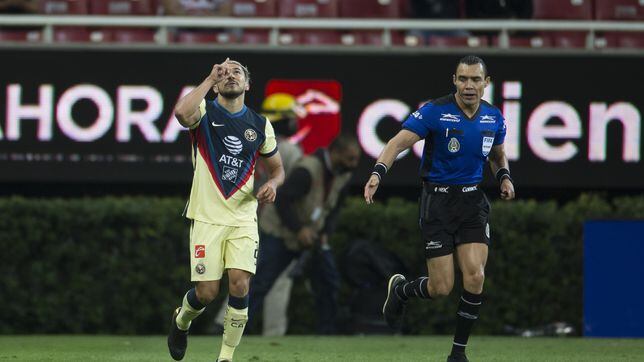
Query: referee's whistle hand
[(370, 188)]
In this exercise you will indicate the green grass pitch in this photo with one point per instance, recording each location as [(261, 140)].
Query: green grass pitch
[(312, 348)]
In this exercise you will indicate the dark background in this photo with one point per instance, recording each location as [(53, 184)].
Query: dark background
[(365, 77)]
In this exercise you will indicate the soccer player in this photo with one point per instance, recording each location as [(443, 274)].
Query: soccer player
[(226, 139), (460, 131)]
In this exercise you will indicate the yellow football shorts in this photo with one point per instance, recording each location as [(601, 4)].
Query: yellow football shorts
[(214, 248)]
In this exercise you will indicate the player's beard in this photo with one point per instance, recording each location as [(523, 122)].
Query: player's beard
[(232, 93)]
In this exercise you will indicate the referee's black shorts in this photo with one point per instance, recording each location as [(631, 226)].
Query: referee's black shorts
[(451, 215)]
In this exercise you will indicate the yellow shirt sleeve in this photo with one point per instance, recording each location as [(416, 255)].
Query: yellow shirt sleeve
[(270, 144), (202, 112)]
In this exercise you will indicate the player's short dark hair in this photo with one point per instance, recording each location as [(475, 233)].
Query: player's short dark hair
[(344, 141), (244, 68), (471, 60)]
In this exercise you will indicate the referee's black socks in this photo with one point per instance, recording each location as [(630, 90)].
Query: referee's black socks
[(468, 313), (414, 289)]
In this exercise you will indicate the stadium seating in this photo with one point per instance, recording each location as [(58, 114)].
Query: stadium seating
[(620, 40), (536, 41), (14, 35), (62, 7), (255, 36), (370, 9), (122, 7), (71, 34), (619, 9), (254, 8), (205, 37), (457, 41), (562, 9), (567, 39), (309, 37), (308, 8), (125, 35)]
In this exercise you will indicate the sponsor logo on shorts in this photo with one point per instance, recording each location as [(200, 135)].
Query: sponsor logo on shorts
[(250, 135), (487, 230), (469, 188), (200, 268), (200, 251), (433, 245), (442, 189)]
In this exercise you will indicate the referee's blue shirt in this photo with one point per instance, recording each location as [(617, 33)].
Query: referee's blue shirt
[(456, 146)]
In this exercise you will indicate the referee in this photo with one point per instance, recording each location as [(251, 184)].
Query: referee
[(461, 131)]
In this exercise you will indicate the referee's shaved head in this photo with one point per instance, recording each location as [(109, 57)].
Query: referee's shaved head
[(471, 60)]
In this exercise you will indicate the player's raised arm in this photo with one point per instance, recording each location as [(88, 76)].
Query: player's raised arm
[(501, 169), (187, 109), (402, 141), (268, 191)]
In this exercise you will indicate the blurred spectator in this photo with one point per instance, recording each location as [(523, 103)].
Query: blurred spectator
[(18, 6), (436, 9), (197, 7), (298, 225), (498, 9)]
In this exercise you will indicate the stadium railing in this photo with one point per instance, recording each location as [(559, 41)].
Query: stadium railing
[(162, 26)]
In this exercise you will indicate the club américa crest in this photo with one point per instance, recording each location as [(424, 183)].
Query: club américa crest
[(250, 135)]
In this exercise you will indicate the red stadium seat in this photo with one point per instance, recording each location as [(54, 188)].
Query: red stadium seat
[(122, 7), (562, 9), (370, 9), (15, 35), (309, 37), (619, 9), (71, 34), (204, 37), (255, 8), (125, 35), (620, 40), (567, 39), (457, 41), (357, 37), (308, 8), (255, 36), (526, 42), (374, 37), (64, 7)]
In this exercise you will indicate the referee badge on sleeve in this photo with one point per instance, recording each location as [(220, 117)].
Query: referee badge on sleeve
[(487, 145)]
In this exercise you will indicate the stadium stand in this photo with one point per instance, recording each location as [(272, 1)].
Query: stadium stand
[(614, 16), (563, 9), (619, 9), (254, 8), (370, 9), (308, 8)]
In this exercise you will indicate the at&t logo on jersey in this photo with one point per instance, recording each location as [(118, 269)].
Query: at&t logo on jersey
[(233, 145)]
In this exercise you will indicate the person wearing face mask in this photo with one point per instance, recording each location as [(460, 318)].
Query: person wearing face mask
[(300, 221)]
